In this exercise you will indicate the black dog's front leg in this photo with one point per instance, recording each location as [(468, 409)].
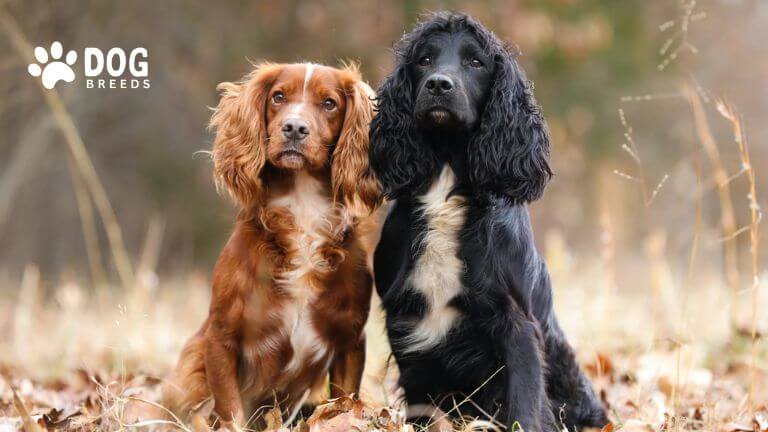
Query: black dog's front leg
[(527, 404), (573, 401), (421, 378)]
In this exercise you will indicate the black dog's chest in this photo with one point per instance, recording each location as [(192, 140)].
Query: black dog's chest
[(437, 271)]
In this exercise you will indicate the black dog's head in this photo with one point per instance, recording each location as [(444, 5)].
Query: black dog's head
[(452, 74), (455, 78)]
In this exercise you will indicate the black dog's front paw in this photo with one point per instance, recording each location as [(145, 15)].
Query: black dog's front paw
[(593, 416), (587, 413), (428, 418)]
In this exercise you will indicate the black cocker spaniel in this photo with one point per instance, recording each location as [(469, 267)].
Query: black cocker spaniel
[(460, 145)]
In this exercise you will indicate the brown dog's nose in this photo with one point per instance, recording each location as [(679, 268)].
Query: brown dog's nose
[(438, 84), (295, 129)]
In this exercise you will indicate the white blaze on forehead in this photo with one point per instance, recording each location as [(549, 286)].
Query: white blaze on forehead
[(309, 69), (307, 76)]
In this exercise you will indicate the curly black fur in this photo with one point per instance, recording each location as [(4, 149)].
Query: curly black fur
[(509, 153), (398, 158), (507, 319)]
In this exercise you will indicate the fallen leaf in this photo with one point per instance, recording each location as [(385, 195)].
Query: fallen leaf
[(760, 422), (343, 422), (600, 365), (737, 427), (334, 407), (698, 414), (274, 418)]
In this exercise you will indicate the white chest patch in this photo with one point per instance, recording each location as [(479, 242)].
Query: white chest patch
[(307, 345), (438, 270), (312, 213)]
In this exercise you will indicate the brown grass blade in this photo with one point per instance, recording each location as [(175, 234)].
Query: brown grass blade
[(29, 424)]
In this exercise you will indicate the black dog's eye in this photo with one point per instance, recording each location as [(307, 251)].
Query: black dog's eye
[(329, 104), (278, 98), (425, 61), (476, 63)]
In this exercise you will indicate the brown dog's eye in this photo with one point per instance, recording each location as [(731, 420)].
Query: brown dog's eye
[(329, 104), (476, 63), (425, 61), (278, 98)]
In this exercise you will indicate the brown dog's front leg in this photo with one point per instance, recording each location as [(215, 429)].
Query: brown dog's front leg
[(221, 372), (347, 370)]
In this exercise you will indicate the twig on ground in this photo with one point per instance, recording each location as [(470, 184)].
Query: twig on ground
[(29, 424)]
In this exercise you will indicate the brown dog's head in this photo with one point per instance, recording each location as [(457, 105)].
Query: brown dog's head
[(295, 117)]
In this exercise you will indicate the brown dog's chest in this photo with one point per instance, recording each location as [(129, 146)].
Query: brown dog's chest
[(286, 338)]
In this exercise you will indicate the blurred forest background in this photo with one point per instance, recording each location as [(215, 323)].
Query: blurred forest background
[(583, 55), (649, 218)]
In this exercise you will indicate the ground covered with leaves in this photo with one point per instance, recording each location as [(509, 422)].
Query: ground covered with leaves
[(640, 391), (640, 395), (672, 361)]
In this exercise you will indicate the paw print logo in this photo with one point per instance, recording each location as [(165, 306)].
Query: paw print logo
[(56, 70)]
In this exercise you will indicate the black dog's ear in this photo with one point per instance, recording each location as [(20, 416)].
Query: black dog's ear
[(396, 156), (509, 155)]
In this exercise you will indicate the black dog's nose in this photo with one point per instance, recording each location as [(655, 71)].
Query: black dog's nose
[(295, 129), (439, 84)]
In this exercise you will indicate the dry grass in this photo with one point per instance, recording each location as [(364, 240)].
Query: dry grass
[(93, 363)]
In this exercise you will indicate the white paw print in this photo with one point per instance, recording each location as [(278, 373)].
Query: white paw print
[(56, 70)]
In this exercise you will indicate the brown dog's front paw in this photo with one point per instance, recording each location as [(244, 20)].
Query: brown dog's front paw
[(236, 424)]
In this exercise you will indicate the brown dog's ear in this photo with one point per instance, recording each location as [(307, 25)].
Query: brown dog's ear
[(353, 181), (239, 146)]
